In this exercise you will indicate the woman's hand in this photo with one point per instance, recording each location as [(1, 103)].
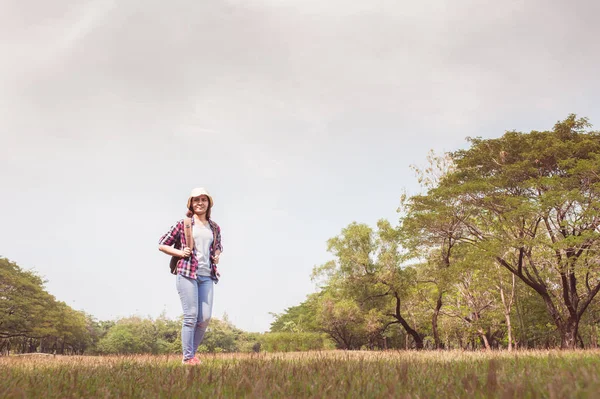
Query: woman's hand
[(186, 252), (215, 259), (169, 250)]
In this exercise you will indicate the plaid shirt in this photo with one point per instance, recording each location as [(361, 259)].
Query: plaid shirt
[(187, 266)]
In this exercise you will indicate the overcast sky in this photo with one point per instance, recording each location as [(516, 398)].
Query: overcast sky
[(298, 116)]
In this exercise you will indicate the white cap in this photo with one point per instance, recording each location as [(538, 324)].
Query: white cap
[(198, 192)]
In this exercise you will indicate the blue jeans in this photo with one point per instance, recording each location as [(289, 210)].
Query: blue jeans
[(196, 300)]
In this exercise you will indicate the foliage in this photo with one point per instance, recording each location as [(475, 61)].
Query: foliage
[(32, 319), (294, 341), (500, 249), (300, 318), (531, 203)]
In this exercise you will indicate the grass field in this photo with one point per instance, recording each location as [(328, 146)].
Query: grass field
[(335, 374)]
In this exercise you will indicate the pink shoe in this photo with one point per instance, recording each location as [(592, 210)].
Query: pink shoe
[(191, 362)]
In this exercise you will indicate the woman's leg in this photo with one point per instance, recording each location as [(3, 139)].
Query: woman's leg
[(205, 303), (188, 294)]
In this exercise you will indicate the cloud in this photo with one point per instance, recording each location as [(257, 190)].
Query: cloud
[(300, 116)]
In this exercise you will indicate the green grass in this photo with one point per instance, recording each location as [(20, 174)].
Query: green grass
[(540, 374)]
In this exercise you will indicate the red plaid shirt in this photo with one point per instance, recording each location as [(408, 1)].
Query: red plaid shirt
[(187, 266)]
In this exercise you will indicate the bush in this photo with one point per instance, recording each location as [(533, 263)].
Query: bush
[(295, 341)]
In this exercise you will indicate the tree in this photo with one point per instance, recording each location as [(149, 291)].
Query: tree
[(300, 318), (221, 336), (533, 204), (368, 273), (474, 301), (343, 320), (121, 339), (131, 335), (31, 319), (430, 229), (24, 304)]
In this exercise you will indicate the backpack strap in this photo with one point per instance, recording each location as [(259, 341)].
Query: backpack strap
[(187, 228)]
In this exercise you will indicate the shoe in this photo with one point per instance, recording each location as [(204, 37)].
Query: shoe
[(190, 362)]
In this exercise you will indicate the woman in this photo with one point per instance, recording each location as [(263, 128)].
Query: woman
[(196, 270)]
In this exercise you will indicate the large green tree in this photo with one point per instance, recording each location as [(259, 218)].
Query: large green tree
[(31, 319), (299, 318), (24, 304), (430, 230), (367, 275), (533, 206)]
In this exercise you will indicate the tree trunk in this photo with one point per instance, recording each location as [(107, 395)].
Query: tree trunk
[(567, 329), (507, 307), (484, 339), (415, 335), (434, 323), (523, 338), (568, 333), (32, 345), (580, 339), (460, 341), (509, 331), (398, 316)]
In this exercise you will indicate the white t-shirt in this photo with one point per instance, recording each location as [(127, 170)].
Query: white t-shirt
[(203, 238)]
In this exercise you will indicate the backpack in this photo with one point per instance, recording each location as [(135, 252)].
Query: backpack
[(187, 228)]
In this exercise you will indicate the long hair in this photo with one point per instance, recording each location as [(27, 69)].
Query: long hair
[(190, 212)]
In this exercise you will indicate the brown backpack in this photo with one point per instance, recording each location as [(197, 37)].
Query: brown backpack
[(189, 240)]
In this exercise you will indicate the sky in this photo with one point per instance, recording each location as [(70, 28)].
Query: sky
[(299, 117)]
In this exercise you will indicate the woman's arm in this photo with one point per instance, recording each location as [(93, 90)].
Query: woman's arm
[(218, 247), (166, 242), (174, 251)]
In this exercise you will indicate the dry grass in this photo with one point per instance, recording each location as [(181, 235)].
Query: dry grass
[(335, 374)]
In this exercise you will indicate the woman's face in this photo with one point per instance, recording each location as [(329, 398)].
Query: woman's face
[(200, 204)]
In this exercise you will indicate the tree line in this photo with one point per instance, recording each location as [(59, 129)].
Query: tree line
[(500, 249), (32, 320)]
